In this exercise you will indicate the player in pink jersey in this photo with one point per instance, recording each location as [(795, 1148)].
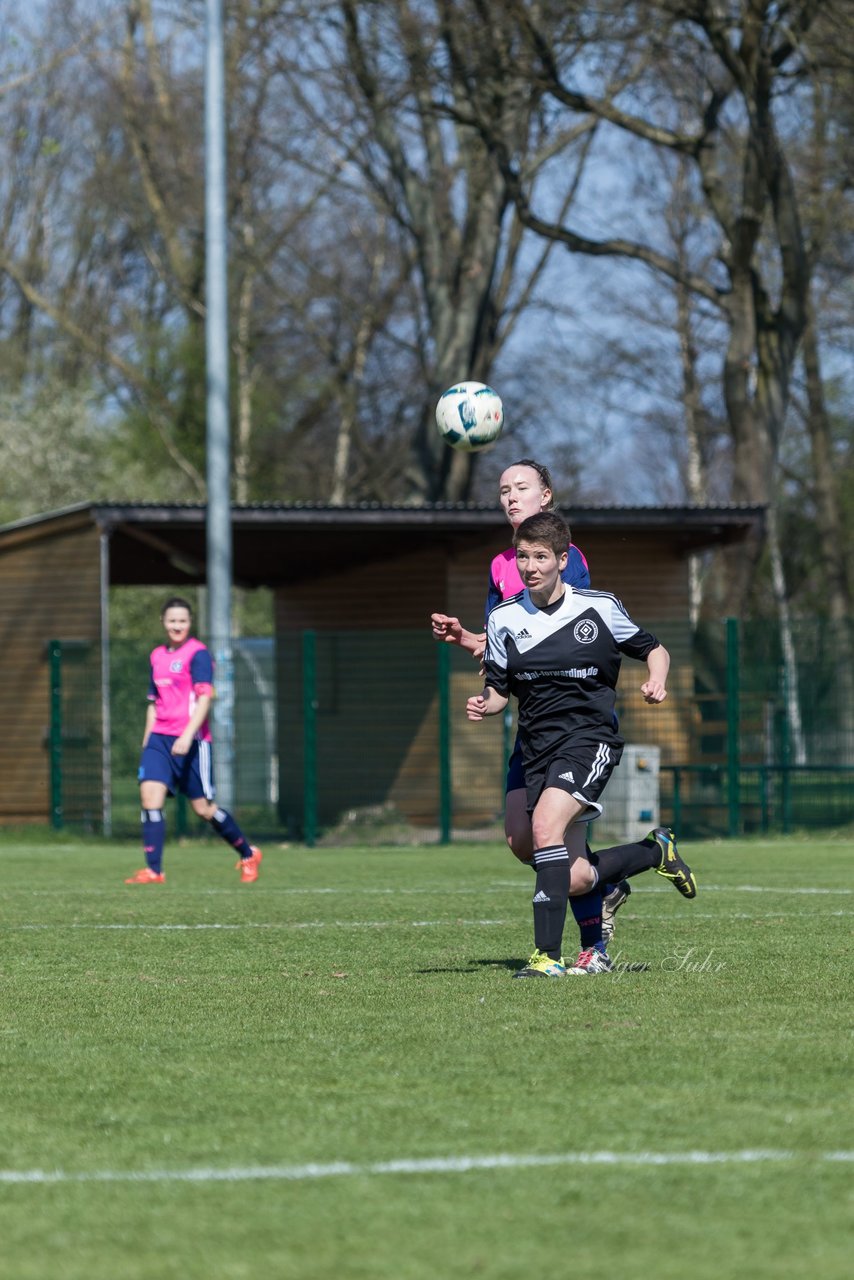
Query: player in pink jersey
[(525, 489), (176, 746)]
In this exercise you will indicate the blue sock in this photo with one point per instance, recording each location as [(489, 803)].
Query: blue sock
[(153, 838), (587, 909), (224, 825)]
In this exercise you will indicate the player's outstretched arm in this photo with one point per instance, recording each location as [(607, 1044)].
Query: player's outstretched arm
[(657, 664), (452, 631), (486, 703)]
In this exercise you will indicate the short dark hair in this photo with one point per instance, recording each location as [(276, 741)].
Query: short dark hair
[(176, 602), (548, 528), (542, 471)]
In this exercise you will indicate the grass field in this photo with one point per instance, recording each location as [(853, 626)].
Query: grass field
[(330, 1073)]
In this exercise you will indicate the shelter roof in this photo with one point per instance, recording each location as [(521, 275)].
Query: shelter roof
[(157, 543)]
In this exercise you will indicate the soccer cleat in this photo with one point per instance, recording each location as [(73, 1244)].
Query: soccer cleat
[(592, 961), (541, 965), (146, 876), (611, 904), (672, 867), (249, 866)]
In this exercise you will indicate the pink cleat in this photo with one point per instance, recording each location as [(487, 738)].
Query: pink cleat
[(249, 866), (146, 876)]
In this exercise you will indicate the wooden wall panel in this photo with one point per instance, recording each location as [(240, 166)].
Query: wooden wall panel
[(49, 589), (393, 594)]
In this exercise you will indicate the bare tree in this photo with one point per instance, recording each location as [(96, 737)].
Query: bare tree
[(719, 87), (439, 183)]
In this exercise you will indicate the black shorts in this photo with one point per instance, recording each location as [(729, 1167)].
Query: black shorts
[(515, 780), (579, 768)]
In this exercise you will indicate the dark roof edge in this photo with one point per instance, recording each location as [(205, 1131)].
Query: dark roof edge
[(107, 514)]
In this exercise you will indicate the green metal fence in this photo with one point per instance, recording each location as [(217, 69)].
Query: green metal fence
[(362, 736)]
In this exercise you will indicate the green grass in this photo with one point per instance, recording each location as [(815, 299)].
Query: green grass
[(356, 1006)]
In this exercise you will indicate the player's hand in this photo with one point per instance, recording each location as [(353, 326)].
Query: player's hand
[(446, 628), (476, 707), (182, 745), (653, 691)]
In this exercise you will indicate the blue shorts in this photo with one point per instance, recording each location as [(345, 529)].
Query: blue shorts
[(515, 770), (191, 774)]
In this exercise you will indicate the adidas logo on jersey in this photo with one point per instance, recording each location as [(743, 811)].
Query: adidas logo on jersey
[(524, 634)]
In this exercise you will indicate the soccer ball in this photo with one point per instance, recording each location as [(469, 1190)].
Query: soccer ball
[(470, 416)]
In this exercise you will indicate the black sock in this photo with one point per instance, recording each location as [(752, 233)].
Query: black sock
[(550, 898), (626, 860)]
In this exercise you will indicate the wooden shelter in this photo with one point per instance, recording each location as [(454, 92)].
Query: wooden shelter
[(361, 568)]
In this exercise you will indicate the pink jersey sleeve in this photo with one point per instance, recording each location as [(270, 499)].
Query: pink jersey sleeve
[(505, 575)]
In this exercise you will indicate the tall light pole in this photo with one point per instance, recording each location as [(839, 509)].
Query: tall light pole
[(218, 444)]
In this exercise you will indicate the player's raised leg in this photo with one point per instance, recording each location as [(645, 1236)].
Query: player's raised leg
[(656, 852), (199, 785)]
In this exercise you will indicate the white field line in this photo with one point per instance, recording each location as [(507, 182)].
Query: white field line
[(703, 887), (495, 886), (641, 917), (440, 1164)]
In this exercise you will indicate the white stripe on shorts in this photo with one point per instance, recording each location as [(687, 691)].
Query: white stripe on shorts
[(205, 769), (600, 763)]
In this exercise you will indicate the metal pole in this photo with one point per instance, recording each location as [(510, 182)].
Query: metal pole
[(733, 727), (54, 649), (446, 802), (309, 732), (106, 714), (219, 549)]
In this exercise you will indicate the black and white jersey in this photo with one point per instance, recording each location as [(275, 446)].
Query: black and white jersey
[(562, 663)]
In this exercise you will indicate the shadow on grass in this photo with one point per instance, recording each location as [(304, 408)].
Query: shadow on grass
[(473, 966), (637, 966)]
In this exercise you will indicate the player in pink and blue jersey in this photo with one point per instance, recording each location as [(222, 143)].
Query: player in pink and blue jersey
[(525, 489), (176, 746)]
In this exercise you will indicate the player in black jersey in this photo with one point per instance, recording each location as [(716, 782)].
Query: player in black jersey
[(558, 650)]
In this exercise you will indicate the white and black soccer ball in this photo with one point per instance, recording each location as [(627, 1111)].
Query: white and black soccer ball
[(470, 416)]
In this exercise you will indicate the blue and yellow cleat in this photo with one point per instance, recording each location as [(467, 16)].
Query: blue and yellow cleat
[(541, 965), (672, 867)]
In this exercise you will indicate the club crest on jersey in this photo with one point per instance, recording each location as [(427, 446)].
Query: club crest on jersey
[(585, 631), (177, 665)]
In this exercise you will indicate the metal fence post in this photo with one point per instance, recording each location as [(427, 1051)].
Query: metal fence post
[(677, 797), (309, 736), (733, 728), (786, 753), (446, 799), (55, 674)]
